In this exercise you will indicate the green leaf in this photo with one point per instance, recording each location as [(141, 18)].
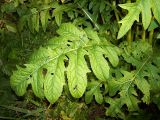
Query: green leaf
[(137, 54), (134, 9), (7, 7), (76, 73), (54, 79), (98, 63), (156, 100), (146, 13), (44, 16), (129, 97), (112, 55), (128, 20), (33, 20), (116, 85), (70, 32), (124, 86), (68, 54), (58, 17), (147, 68), (102, 6), (94, 90), (114, 109), (144, 86), (58, 12), (21, 78), (92, 35), (37, 83), (156, 9)]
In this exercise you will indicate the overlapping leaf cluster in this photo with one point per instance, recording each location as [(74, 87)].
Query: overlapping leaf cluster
[(66, 54), (125, 84), (35, 14)]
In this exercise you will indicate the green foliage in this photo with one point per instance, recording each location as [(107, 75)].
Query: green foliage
[(77, 62), (127, 83), (46, 68), (134, 9), (94, 90)]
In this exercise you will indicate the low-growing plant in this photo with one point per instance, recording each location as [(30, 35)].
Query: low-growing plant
[(71, 58)]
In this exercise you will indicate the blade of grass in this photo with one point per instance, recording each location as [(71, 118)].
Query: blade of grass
[(16, 109), (8, 118), (27, 112), (89, 16), (34, 112)]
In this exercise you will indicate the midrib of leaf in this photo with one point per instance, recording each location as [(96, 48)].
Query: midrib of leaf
[(72, 50), (95, 87), (131, 81), (46, 92)]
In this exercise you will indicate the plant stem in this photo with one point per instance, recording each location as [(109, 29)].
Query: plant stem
[(137, 32), (151, 36), (115, 12), (143, 35), (129, 37), (124, 1), (49, 106), (129, 1)]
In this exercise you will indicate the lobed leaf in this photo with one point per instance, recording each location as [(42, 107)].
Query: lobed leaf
[(66, 53), (128, 20), (94, 90), (134, 9), (144, 86), (21, 78)]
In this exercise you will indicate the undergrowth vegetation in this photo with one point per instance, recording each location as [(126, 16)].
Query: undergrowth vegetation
[(79, 59)]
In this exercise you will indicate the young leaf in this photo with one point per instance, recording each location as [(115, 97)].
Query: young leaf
[(94, 90), (147, 68), (144, 86), (116, 85), (129, 97), (58, 12), (44, 16), (114, 109), (134, 9), (35, 19)]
